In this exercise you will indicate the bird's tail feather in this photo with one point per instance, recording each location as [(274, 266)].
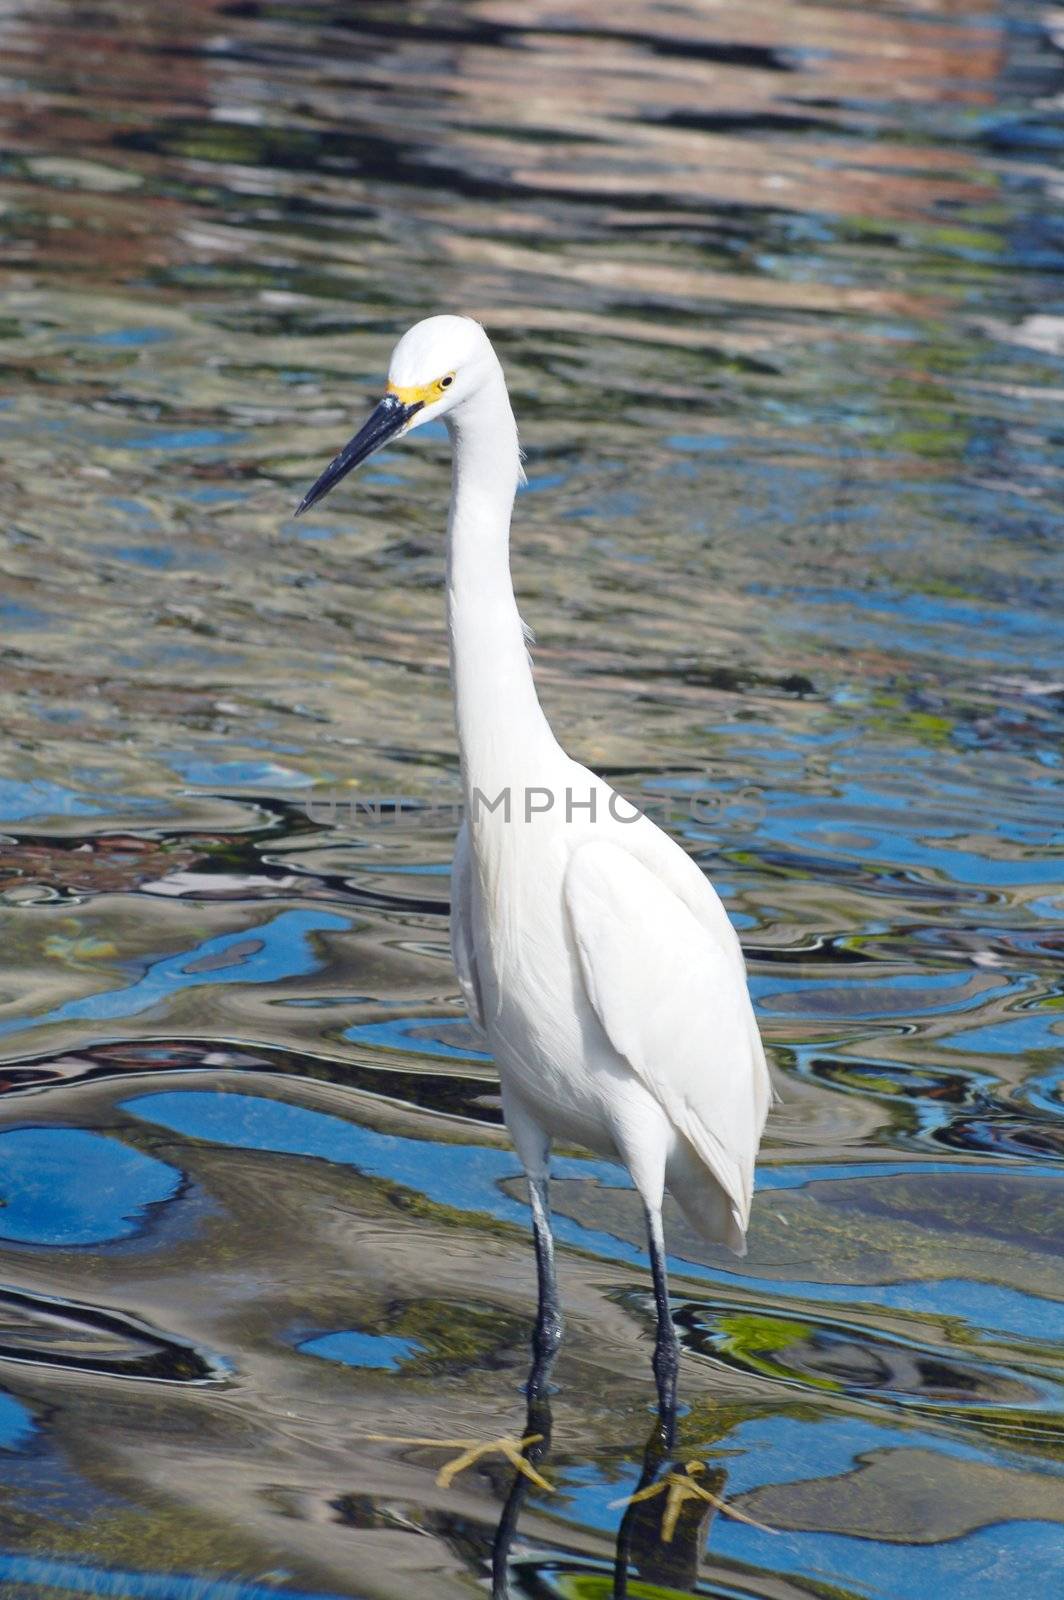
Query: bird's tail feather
[(705, 1203)]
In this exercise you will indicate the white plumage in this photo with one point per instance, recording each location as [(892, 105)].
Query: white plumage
[(594, 955)]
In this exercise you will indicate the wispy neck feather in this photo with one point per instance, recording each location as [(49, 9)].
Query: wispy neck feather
[(501, 726)]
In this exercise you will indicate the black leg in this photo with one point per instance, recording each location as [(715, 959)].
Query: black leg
[(666, 1345), (548, 1330)]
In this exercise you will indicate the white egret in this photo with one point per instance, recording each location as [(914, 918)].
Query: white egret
[(592, 952)]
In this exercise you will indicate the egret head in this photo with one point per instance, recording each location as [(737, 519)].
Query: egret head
[(435, 366)]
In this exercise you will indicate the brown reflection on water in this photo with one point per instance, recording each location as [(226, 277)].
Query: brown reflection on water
[(532, 106)]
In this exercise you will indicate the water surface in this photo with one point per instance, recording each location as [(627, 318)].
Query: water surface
[(778, 291)]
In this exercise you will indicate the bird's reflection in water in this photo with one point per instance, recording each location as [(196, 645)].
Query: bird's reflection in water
[(664, 1528), (538, 1426), (666, 1525)]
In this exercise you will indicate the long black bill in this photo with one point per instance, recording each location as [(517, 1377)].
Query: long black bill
[(384, 422)]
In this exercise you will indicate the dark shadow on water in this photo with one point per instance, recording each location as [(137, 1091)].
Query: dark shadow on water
[(44, 1330)]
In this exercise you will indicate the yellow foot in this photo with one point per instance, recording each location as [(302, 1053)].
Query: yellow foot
[(678, 1487), (472, 1450)]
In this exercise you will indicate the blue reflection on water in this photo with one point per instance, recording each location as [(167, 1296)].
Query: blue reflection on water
[(37, 798), (1047, 1090), (770, 1450), (79, 1577), (1007, 1558), (850, 827), (1011, 1036), (136, 511), (159, 558), (932, 610), (917, 993), (353, 1348), (442, 1172), (986, 1308), (67, 1186), (416, 1035), (14, 615), (312, 532), (920, 624), (782, 1449), (127, 337), (17, 1426), (263, 953), (184, 439), (210, 494), (199, 769), (472, 1174), (766, 1451)]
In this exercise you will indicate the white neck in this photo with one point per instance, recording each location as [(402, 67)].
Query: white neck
[(502, 732)]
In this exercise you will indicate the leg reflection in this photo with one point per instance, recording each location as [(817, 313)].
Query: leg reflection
[(538, 1423), (666, 1524), (667, 1517)]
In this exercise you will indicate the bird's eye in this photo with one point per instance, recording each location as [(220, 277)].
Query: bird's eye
[(445, 383)]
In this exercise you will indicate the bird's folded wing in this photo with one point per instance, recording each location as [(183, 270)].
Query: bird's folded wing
[(463, 952), (673, 1005)]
